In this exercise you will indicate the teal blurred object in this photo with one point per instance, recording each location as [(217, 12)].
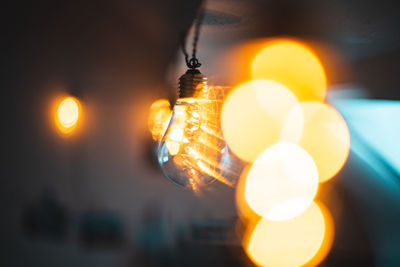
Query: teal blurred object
[(372, 172), (377, 124)]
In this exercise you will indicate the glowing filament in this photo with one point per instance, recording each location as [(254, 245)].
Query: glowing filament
[(192, 148)]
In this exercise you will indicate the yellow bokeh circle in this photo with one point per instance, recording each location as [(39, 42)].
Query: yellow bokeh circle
[(301, 241), (252, 116), (282, 182), (322, 132), (294, 65)]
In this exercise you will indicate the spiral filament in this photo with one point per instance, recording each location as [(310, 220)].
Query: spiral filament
[(193, 152)]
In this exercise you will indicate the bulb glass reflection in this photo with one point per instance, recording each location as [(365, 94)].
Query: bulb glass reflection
[(159, 117), (193, 152)]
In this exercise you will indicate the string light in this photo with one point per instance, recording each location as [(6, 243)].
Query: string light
[(193, 152)]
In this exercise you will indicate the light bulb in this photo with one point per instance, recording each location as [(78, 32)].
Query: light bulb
[(193, 152), (67, 115)]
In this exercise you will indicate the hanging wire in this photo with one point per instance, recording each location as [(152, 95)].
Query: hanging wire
[(193, 63)]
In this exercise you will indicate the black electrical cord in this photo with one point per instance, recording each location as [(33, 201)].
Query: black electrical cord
[(193, 63)]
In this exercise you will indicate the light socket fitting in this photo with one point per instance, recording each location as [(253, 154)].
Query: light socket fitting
[(191, 83)]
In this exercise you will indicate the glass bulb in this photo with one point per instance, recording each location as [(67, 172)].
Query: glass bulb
[(193, 152)]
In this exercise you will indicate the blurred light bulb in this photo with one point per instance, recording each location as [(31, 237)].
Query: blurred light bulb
[(159, 117), (294, 65), (67, 115), (322, 132), (301, 241), (282, 182), (253, 115), (193, 152)]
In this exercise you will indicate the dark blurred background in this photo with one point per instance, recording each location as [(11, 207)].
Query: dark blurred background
[(99, 199)]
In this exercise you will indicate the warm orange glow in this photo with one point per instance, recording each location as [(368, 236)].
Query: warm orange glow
[(159, 117), (193, 152), (174, 137), (252, 116), (293, 65), (67, 115), (322, 132), (282, 182), (328, 238), (304, 240), (246, 214)]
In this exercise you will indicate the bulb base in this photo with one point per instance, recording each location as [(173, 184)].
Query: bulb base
[(191, 83)]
